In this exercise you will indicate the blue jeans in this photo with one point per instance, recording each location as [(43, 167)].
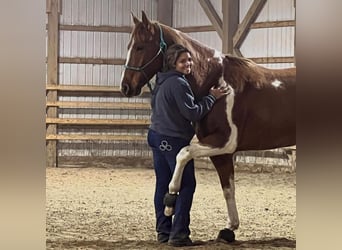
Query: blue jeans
[(165, 150)]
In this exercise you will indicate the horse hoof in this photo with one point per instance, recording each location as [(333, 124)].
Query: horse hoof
[(226, 235), (170, 200), (169, 211)]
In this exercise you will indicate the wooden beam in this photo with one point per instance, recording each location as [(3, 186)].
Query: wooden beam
[(82, 88), (230, 10), (280, 59), (96, 137), (102, 28), (212, 15), (52, 76), (264, 154), (295, 31), (237, 52), (91, 90), (104, 105), (246, 23), (83, 60), (203, 28), (108, 122), (273, 24), (165, 12)]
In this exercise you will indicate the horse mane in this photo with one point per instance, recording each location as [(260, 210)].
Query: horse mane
[(240, 71)]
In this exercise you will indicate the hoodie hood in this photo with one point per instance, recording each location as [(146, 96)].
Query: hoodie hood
[(162, 76)]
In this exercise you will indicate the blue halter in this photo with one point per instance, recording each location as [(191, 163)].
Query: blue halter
[(162, 49)]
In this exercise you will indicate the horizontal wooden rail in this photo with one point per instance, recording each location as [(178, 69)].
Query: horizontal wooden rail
[(97, 137), (84, 60), (273, 24), (82, 88), (283, 154), (280, 59), (91, 90), (83, 121), (104, 105), (204, 28), (102, 28)]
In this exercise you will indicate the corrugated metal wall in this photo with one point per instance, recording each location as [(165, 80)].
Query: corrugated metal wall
[(182, 18), (263, 42), (259, 43), (108, 45), (270, 42)]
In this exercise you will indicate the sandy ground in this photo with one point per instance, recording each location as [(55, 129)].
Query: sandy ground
[(107, 208)]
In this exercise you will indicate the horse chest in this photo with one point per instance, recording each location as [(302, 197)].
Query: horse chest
[(216, 124)]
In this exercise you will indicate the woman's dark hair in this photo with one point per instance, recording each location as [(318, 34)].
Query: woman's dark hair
[(172, 54)]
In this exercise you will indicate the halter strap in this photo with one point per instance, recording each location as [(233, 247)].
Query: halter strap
[(162, 49)]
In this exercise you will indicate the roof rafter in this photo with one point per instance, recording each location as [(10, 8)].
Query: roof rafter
[(213, 16)]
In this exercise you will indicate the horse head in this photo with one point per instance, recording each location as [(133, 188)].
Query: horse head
[(144, 56)]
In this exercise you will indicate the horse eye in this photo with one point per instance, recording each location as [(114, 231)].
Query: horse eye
[(139, 48)]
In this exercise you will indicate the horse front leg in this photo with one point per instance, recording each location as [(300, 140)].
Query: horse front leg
[(195, 150), (182, 159), (225, 169)]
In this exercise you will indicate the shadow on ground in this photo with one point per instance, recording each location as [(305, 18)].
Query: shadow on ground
[(265, 244)]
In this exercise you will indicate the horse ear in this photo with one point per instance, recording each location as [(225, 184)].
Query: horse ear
[(135, 19), (145, 20)]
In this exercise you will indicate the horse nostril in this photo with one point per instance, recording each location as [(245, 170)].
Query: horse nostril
[(125, 88)]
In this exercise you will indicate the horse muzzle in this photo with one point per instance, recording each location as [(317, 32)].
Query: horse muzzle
[(127, 91)]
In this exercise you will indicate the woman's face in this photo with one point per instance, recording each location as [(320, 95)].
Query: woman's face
[(184, 63)]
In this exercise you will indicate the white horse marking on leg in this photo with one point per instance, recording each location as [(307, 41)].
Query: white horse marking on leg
[(229, 195), (182, 158)]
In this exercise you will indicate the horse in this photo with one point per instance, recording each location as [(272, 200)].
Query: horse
[(258, 114)]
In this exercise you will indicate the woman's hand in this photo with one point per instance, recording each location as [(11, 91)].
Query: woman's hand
[(219, 92)]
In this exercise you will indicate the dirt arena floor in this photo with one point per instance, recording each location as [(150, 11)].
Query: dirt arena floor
[(108, 208)]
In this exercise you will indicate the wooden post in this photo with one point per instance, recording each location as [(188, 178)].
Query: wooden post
[(165, 12), (295, 28), (52, 9), (214, 18), (230, 10), (245, 25)]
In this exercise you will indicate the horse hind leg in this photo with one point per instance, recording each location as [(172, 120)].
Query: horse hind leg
[(225, 169)]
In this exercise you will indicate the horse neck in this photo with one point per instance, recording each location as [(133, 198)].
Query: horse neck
[(206, 69)]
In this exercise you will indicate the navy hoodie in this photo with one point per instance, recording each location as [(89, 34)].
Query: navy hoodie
[(174, 108)]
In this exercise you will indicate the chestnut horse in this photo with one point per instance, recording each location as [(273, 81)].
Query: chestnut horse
[(259, 113)]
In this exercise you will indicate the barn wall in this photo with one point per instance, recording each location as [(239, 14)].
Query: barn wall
[(263, 42), (88, 44), (270, 42), (181, 18)]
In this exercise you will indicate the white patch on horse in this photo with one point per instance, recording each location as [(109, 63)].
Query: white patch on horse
[(127, 59), (229, 195), (223, 83), (218, 55), (196, 150), (182, 158), (276, 83)]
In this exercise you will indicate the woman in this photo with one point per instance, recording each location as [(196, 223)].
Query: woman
[(174, 110)]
